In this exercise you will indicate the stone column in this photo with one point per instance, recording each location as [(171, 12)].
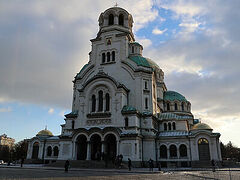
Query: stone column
[(118, 146), (103, 147), (88, 150)]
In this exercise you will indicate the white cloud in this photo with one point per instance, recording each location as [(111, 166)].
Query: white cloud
[(157, 31), (8, 109), (51, 111)]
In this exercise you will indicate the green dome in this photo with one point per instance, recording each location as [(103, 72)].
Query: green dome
[(200, 126), (145, 62), (44, 132), (172, 95)]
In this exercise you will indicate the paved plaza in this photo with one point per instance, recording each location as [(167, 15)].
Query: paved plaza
[(139, 174)]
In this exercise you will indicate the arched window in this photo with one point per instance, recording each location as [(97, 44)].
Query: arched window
[(146, 103), (165, 126), (169, 126), (174, 126), (182, 106), (93, 103), (126, 122), (73, 124), (110, 19), (113, 55), (49, 151), (121, 20), (173, 151), (168, 106), (175, 105), (107, 102), (183, 150), (132, 49), (108, 56), (35, 150), (55, 151), (103, 57), (163, 151), (100, 101)]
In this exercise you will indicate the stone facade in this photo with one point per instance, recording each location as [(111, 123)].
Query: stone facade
[(6, 141), (121, 105)]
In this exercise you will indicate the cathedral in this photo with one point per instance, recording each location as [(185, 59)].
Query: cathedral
[(121, 105)]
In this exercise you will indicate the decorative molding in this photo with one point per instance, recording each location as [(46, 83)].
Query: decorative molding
[(98, 122)]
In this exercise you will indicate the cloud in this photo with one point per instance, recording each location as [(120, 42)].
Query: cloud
[(157, 31), (8, 109), (51, 111)]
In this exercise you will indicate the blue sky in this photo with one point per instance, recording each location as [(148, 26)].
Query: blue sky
[(43, 44)]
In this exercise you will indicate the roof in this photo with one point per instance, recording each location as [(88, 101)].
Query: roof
[(135, 43), (173, 133), (201, 126), (172, 95), (72, 114), (84, 67), (171, 116), (44, 132), (127, 109), (145, 62)]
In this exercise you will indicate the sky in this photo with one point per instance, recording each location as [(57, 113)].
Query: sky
[(44, 44)]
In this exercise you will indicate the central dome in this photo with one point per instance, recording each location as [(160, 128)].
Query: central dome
[(172, 96)]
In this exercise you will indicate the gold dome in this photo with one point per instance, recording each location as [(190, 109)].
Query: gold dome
[(200, 126), (44, 132)]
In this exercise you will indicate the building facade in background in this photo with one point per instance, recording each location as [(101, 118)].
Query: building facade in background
[(121, 105), (6, 141)]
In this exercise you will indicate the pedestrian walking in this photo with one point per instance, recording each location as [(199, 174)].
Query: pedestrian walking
[(129, 164), (213, 165), (66, 166), (150, 164), (22, 161)]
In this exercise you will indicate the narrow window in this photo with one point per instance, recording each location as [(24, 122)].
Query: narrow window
[(132, 49), (73, 124), (163, 151), (49, 151), (93, 103), (108, 56), (111, 19), (55, 151), (173, 151), (146, 85), (174, 126), (121, 20), (175, 105), (103, 58), (126, 122), (183, 150), (168, 106), (165, 126), (107, 102), (113, 55), (169, 126), (100, 101), (146, 103), (182, 106)]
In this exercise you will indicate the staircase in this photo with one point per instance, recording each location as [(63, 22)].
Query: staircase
[(84, 164)]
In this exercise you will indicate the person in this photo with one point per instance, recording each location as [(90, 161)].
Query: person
[(120, 160), (213, 165), (22, 161), (150, 164), (67, 164), (159, 166), (129, 164)]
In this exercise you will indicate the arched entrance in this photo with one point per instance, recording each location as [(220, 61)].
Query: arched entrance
[(203, 149), (81, 147), (35, 150), (96, 147), (110, 146)]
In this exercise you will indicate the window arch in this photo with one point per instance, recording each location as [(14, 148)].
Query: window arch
[(103, 57), (203, 149), (169, 126), (121, 20), (182, 106), (176, 106), (163, 151), (93, 103), (183, 150), (100, 101), (110, 19), (126, 122), (113, 55), (173, 151), (107, 102), (108, 56), (165, 126), (55, 151), (174, 126), (168, 106), (49, 151)]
